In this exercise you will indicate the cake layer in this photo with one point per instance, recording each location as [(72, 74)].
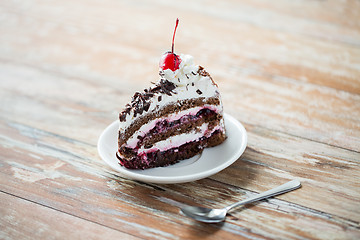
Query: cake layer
[(187, 123), (173, 122), (171, 156), (195, 124), (180, 139), (177, 107)]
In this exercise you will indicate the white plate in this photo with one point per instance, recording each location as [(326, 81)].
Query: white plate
[(211, 161)]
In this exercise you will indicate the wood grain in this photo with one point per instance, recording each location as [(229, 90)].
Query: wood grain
[(37, 221), (288, 70)]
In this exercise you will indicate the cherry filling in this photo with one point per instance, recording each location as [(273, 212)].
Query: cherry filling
[(166, 126)]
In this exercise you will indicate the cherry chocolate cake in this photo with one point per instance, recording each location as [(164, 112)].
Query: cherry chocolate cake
[(175, 119)]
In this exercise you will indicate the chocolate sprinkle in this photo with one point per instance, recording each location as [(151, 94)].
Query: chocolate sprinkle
[(166, 86), (199, 92), (140, 102), (148, 146), (146, 106), (122, 117)]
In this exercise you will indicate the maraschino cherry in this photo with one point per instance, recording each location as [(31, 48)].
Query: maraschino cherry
[(170, 60)]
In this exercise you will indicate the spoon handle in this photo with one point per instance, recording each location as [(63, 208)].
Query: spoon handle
[(287, 187)]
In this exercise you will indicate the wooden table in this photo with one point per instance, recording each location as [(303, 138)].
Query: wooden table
[(289, 71)]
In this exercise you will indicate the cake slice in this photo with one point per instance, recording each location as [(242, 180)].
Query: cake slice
[(175, 119)]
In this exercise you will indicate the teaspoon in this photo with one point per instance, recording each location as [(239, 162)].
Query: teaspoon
[(209, 215)]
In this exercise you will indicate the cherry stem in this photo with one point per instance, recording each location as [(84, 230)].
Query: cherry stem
[(176, 25)]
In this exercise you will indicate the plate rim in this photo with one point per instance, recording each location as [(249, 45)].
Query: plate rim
[(127, 173)]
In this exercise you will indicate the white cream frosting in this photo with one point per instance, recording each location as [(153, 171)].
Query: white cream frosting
[(186, 69), (188, 85)]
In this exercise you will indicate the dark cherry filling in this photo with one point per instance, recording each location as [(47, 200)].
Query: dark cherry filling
[(164, 126)]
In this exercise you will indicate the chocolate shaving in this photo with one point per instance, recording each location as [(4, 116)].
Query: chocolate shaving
[(147, 146), (122, 116), (167, 86), (146, 106), (141, 102), (202, 72), (164, 86)]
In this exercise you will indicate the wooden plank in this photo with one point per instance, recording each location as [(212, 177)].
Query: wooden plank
[(298, 109), (77, 184), (23, 219), (331, 173)]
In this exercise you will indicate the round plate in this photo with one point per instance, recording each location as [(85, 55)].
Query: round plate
[(211, 161)]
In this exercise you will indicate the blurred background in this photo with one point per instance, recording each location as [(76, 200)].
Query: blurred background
[(261, 53)]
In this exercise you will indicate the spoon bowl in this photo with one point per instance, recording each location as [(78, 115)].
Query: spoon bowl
[(209, 215)]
